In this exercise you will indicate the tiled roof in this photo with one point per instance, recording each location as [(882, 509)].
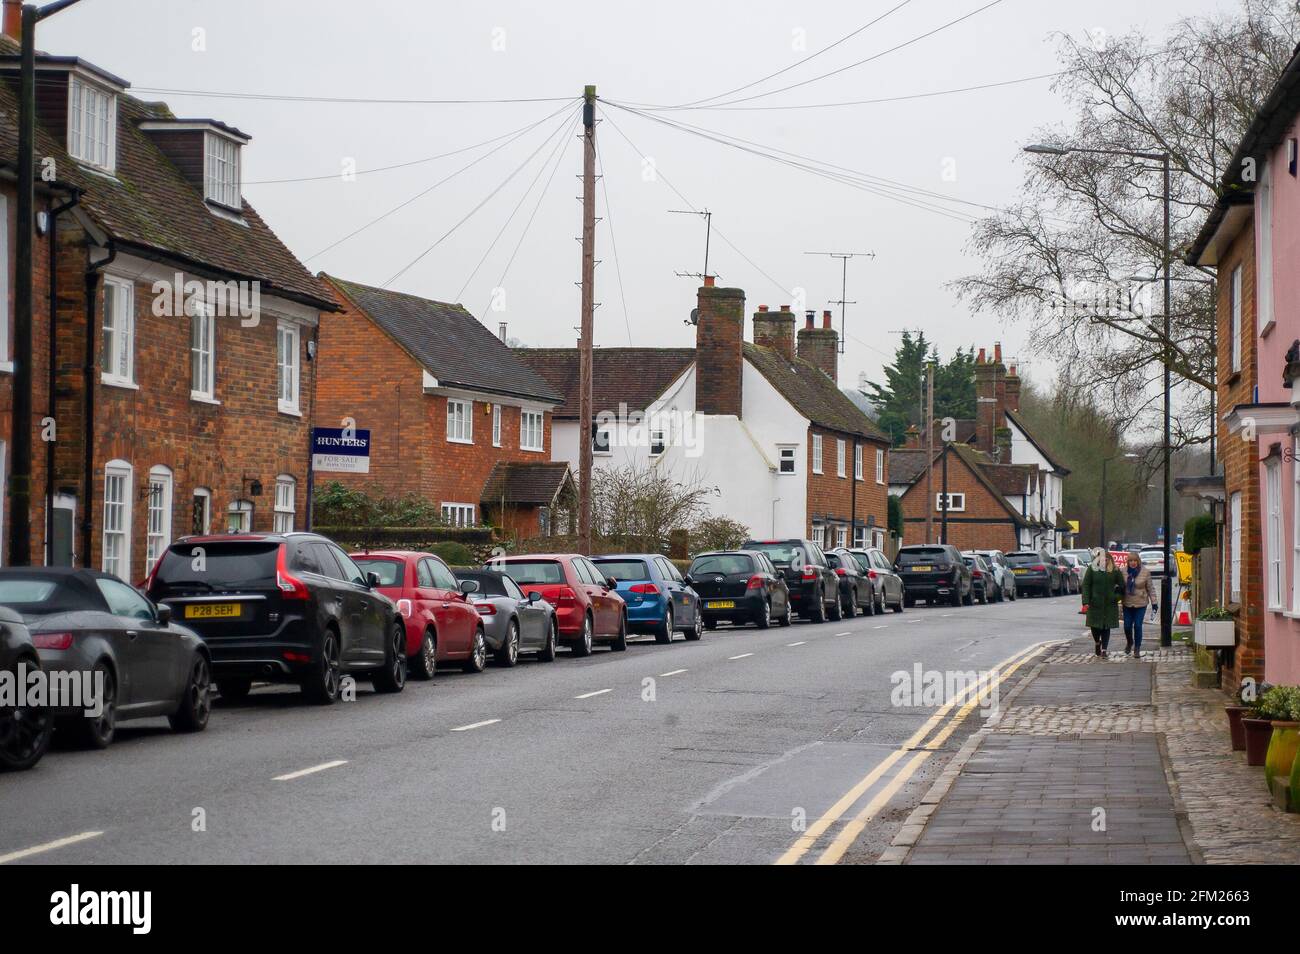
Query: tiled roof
[(1011, 479), (449, 342), (979, 466), (812, 393), (147, 205), (906, 465), (634, 376), (526, 483)]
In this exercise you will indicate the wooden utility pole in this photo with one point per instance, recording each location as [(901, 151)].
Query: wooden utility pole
[(929, 453), (586, 414)]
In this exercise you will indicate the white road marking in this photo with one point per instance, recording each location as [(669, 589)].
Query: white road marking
[(475, 725), (881, 626), (310, 771), (741, 656), (945, 615), (800, 643), (49, 846), (598, 692), (675, 672), (843, 634)]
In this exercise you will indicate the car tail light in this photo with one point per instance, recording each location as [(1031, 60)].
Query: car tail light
[(404, 608), (871, 574), (293, 657), (977, 574), (485, 609), (840, 571), (1039, 567), (645, 588), (754, 583), (809, 574), (291, 588), (52, 640), (565, 594)]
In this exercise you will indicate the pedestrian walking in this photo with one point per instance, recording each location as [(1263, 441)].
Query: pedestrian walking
[(1139, 593), (1101, 590)]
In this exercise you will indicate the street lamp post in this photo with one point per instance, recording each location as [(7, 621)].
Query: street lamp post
[(1103, 542), (1166, 611)]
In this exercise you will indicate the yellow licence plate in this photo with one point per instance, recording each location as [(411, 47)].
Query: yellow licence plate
[(1019, 571), (720, 604), (922, 569), (212, 610)]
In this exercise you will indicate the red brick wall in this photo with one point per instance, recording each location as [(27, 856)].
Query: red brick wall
[(830, 495), (1240, 461), (983, 525), (719, 333)]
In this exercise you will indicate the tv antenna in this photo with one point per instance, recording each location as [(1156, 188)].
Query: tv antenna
[(843, 301), (708, 233)]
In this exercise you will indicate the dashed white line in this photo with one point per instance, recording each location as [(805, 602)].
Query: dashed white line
[(675, 672), (800, 643), (49, 846), (881, 626), (741, 656), (290, 776), (843, 634), (475, 725), (598, 692)]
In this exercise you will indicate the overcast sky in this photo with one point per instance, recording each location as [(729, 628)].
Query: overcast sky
[(669, 53)]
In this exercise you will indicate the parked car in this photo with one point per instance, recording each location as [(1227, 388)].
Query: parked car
[(441, 625), (25, 730), (982, 581), (886, 584), (814, 587), (856, 591), (1073, 568), (1006, 580), (141, 663), (1035, 572), (587, 605), (283, 607), (659, 600), (934, 572), (740, 586), (1084, 556), (512, 622), (1153, 559)]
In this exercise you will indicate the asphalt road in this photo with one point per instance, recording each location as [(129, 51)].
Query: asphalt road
[(729, 750)]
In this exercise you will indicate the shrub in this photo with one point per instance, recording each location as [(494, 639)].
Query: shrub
[(1198, 533), (718, 533), (1279, 703), (454, 554), (1214, 613), (896, 516)]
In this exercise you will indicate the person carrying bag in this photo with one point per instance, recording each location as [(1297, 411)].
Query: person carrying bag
[(1139, 593), (1101, 591)]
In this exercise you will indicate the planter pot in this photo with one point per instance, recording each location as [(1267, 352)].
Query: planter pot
[(1294, 793), (1280, 757), (1205, 679), (1259, 733), (1217, 632), (1235, 728)]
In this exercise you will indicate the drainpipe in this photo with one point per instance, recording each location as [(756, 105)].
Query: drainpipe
[(89, 382), (54, 212)]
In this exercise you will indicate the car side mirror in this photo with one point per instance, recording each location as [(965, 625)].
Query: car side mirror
[(372, 579), (164, 613), (534, 597), (611, 582), (688, 580), (469, 586)]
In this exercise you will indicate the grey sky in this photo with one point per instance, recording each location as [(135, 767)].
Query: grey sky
[(664, 53)]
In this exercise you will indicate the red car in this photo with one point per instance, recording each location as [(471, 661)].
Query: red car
[(441, 624), (586, 605)]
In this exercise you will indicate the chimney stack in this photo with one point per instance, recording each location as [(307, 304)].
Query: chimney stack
[(990, 399), (13, 19), (820, 346), (719, 335), (775, 330), (1011, 386)]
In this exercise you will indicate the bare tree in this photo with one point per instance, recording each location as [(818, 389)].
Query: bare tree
[(639, 507)]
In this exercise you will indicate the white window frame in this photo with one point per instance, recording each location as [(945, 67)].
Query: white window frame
[(532, 430), (242, 509), (203, 355), (658, 442), (816, 453), (99, 151), (786, 454), (1234, 547), (117, 473), (860, 537), (956, 502), (880, 465), (204, 494), (459, 514), (596, 434), (841, 535), (1273, 561), (288, 367), (1234, 320), (858, 472), (460, 421), (496, 425), (118, 357), (158, 521), (221, 171), (841, 454), (285, 510)]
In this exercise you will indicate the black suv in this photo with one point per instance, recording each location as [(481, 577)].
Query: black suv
[(289, 607), (814, 587), (1036, 572), (934, 572)]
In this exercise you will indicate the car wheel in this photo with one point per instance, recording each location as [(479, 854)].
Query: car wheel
[(880, 603), (233, 690), (620, 641), (547, 653), (850, 607), (902, 601), (508, 654), (696, 632), (784, 619), (321, 684), (836, 613), (956, 598), (984, 597), (664, 631), (477, 660), (764, 618), (25, 733), (96, 732), (819, 608), (392, 677), (196, 705), (583, 646), (424, 664), (969, 598)]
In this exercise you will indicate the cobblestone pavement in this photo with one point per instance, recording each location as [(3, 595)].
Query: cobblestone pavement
[(1134, 739)]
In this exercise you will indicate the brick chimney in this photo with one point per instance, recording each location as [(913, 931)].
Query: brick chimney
[(775, 329), (990, 400), (719, 333), (13, 19), (1011, 386), (820, 346)]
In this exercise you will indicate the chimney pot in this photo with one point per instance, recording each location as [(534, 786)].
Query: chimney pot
[(808, 321), (708, 281), (762, 308), (826, 318), (785, 307), (13, 19), (997, 351), (980, 358), (1012, 372)]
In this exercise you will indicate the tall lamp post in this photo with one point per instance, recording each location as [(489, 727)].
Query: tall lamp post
[(1102, 542), (1166, 611)]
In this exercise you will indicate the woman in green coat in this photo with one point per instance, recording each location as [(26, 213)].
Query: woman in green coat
[(1102, 589)]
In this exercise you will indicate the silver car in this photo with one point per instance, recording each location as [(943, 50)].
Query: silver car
[(512, 622), (1002, 575)]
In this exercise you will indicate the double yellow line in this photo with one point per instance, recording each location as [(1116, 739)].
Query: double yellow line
[(849, 833)]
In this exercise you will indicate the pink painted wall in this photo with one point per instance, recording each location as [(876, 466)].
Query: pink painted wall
[(1281, 632)]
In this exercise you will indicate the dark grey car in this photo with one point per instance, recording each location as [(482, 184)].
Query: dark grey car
[(25, 730), (512, 622), (141, 663)]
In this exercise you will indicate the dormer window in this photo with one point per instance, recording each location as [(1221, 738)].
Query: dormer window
[(221, 171), (92, 124)]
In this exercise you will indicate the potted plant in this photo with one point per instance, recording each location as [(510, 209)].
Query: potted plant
[(1236, 730), (1282, 708), (1206, 675), (1258, 724), (1215, 626)]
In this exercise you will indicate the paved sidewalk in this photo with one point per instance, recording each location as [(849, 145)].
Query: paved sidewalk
[(1101, 761)]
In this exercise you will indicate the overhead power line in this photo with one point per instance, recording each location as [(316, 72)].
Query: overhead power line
[(358, 100)]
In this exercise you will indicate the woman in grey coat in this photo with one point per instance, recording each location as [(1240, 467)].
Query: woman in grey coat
[(1139, 592)]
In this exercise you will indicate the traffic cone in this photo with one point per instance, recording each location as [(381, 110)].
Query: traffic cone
[(1184, 615)]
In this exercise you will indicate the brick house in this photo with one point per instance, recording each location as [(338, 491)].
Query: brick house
[(763, 423), (453, 416), (181, 387)]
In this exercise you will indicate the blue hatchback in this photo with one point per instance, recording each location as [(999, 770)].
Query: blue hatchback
[(659, 599)]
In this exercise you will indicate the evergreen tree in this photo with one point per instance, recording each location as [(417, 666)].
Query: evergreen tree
[(899, 399)]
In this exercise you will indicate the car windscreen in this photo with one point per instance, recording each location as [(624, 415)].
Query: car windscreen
[(1024, 559), (624, 570), (223, 565), (535, 572), (42, 596), (910, 556), (390, 572), (782, 554), (489, 584), (722, 564)]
